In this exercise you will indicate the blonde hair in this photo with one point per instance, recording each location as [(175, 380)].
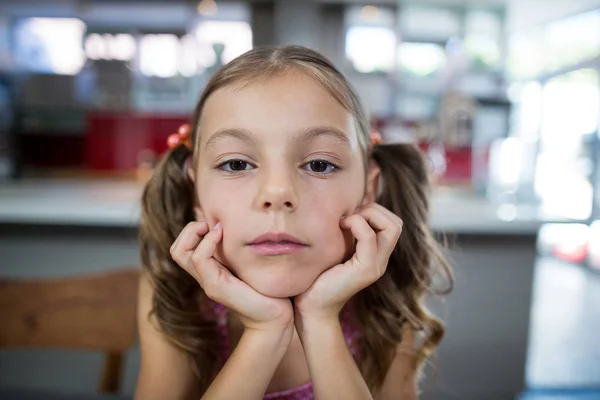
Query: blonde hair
[(382, 310)]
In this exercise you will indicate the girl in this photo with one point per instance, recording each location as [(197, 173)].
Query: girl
[(270, 242)]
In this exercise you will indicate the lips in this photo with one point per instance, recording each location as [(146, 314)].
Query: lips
[(277, 238), (272, 243)]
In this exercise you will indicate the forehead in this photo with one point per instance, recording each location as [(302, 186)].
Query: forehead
[(288, 102)]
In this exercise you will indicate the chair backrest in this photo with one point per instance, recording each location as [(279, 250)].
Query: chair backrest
[(88, 312)]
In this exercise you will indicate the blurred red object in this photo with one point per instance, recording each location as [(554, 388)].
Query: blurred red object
[(572, 252), (114, 141)]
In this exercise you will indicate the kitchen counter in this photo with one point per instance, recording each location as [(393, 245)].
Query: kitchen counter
[(116, 204)]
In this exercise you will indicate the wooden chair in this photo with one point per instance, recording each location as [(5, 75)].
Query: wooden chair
[(89, 312)]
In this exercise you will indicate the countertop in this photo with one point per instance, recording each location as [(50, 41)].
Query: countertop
[(116, 204)]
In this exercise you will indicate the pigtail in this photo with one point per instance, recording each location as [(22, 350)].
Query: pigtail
[(395, 301), (167, 201), (167, 207)]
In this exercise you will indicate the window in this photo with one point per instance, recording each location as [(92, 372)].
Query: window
[(371, 49), (370, 39), (429, 24), (570, 118), (483, 33), (110, 47), (234, 36), (483, 50), (526, 58), (421, 59), (572, 40), (159, 55), (212, 43), (557, 45), (188, 57), (49, 45)]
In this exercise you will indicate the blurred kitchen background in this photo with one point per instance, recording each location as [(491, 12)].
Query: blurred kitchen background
[(503, 96)]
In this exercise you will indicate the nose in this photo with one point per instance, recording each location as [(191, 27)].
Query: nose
[(277, 191)]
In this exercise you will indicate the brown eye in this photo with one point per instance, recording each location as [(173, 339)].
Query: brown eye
[(320, 167), (238, 165), (235, 166)]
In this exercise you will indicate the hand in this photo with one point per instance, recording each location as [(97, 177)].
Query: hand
[(194, 251), (377, 231)]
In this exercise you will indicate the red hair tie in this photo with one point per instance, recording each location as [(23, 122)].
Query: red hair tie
[(375, 137), (182, 137)]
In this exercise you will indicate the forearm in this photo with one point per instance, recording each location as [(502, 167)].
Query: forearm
[(332, 368), (248, 371)]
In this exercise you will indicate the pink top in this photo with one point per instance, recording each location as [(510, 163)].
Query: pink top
[(302, 392)]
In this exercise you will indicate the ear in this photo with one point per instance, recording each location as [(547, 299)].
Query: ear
[(191, 174), (372, 183)]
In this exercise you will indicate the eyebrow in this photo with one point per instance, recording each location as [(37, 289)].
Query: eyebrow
[(240, 134), (325, 131), (306, 136)]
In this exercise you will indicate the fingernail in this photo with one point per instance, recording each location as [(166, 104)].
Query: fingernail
[(218, 225)]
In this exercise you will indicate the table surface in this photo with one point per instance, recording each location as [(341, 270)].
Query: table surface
[(116, 203)]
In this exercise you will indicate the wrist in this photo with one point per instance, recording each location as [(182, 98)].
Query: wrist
[(316, 317), (317, 324), (274, 337)]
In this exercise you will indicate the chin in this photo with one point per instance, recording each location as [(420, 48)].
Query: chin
[(280, 285)]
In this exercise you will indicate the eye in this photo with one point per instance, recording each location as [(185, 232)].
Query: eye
[(320, 167), (233, 166)]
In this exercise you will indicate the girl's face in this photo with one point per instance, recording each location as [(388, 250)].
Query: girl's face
[(279, 158)]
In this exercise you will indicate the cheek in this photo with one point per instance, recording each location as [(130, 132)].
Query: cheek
[(329, 203), (218, 204), (324, 212), (334, 199), (333, 245)]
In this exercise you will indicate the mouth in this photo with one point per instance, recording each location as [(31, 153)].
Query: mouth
[(277, 244)]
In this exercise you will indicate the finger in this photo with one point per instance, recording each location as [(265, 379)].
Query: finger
[(202, 258), (366, 241), (388, 232), (177, 239), (191, 226), (390, 227), (193, 236), (186, 244), (393, 217)]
